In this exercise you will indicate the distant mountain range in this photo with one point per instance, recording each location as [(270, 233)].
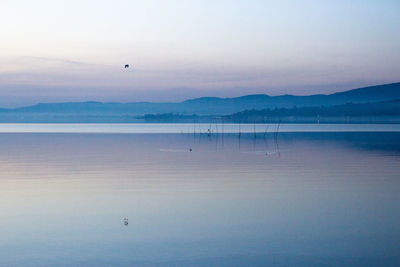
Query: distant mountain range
[(200, 106)]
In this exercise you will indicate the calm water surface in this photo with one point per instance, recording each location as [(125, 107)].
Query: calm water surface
[(186, 128), (308, 199)]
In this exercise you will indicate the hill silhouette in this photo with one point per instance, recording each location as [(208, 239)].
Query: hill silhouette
[(199, 106)]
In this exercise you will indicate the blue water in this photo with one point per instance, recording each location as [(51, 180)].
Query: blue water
[(299, 198), (205, 128)]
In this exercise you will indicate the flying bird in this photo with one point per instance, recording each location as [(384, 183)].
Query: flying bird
[(126, 66)]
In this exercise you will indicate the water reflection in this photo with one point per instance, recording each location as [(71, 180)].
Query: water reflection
[(298, 199)]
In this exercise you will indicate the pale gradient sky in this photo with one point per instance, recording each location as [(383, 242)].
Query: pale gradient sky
[(75, 50)]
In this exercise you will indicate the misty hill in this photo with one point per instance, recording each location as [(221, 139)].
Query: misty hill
[(214, 105), (381, 112), (229, 105), (370, 112)]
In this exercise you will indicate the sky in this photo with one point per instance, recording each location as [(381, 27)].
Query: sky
[(57, 51)]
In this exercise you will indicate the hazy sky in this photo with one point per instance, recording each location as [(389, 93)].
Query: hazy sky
[(75, 50)]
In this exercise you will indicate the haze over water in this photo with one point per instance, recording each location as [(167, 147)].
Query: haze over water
[(309, 199)]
